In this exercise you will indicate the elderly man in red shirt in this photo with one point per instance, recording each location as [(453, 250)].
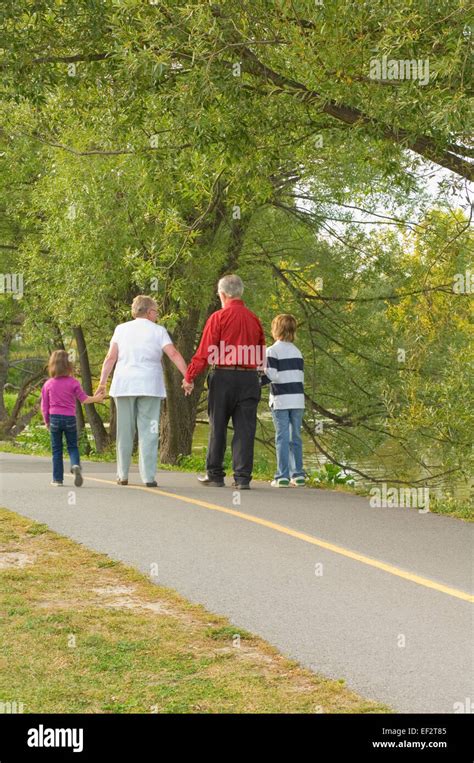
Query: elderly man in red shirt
[(233, 344)]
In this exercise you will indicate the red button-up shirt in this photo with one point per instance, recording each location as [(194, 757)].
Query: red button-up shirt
[(232, 336)]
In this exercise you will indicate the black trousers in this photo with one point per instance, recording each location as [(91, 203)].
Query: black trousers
[(232, 394)]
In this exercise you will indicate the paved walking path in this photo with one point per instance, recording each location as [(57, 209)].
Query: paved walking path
[(381, 597)]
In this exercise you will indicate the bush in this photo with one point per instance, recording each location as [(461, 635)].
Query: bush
[(330, 474)]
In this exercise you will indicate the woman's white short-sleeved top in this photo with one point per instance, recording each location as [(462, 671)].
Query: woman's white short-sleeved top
[(138, 370)]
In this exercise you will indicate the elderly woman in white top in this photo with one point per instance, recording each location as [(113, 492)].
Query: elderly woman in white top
[(138, 386)]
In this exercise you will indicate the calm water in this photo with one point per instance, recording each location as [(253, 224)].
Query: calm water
[(390, 461)]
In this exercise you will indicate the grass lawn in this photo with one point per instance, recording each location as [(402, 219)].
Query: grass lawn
[(82, 633)]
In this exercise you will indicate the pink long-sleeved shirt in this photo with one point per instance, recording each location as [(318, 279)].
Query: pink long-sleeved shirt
[(59, 396)]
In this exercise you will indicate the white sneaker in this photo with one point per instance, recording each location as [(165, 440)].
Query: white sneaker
[(282, 482), (298, 481), (54, 483)]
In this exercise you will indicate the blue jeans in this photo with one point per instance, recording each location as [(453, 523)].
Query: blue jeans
[(57, 425), (289, 446)]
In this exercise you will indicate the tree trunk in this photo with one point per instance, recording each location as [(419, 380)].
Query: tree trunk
[(24, 420), (14, 423), (178, 419), (58, 343), (4, 353), (98, 430), (113, 421), (8, 326), (81, 428)]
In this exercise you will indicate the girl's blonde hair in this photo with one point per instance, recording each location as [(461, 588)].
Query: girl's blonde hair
[(60, 364), (284, 327)]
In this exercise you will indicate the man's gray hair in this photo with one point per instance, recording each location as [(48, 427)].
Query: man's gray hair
[(231, 285), (141, 304)]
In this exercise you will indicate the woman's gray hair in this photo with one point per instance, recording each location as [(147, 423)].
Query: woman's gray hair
[(231, 285), (142, 304)]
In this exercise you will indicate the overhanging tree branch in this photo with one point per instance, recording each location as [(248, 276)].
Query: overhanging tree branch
[(423, 145)]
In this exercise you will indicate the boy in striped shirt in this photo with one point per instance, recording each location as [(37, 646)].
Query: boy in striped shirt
[(284, 370)]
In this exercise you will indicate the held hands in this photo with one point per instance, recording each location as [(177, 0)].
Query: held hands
[(187, 387), (100, 393)]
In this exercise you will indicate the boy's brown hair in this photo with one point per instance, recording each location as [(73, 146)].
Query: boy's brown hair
[(60, 364), (284, 327)]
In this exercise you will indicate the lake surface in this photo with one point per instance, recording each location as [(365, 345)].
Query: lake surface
[(390, 462)]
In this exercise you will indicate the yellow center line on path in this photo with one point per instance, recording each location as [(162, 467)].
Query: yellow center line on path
[(390, 568)]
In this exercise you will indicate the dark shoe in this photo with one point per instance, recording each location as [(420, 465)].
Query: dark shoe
[(121, 482), (208, 482), (152, 484), (241, 485), (76, 470)]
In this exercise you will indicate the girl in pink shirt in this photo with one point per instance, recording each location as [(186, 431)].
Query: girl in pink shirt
[(58, 406)]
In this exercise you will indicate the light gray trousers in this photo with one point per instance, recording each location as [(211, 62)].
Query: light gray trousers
[(140, 413)]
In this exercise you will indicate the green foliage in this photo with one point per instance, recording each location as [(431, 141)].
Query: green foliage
[(36, 440), (148, 147), (227, 633), (453, 507), (330, 474), (37, 529)]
